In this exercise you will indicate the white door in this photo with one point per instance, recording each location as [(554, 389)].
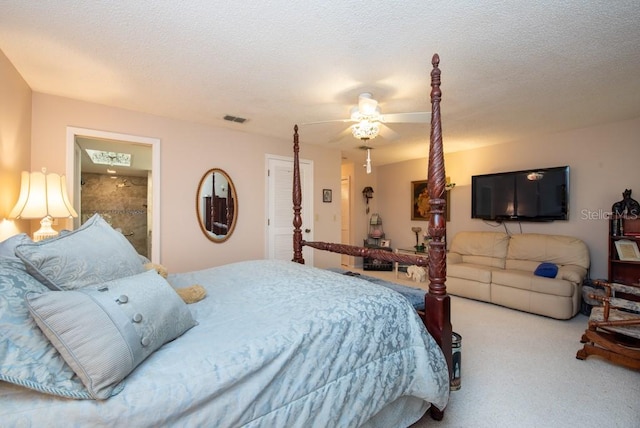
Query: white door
[(280, 207)]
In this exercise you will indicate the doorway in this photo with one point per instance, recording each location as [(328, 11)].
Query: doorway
[(145, 173), (279, 240)]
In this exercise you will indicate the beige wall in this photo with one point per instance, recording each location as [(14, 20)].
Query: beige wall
[(188, 150), (15, 150), (602, 159)]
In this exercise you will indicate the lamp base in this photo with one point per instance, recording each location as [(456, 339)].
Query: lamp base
[(45, 231)]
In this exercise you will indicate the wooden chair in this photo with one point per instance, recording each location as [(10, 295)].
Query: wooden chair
[(614, 327)]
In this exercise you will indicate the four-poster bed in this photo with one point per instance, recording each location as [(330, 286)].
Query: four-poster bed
[(274, 344), (437, 314)]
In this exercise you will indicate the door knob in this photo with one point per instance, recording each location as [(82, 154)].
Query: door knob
[(307, 230)]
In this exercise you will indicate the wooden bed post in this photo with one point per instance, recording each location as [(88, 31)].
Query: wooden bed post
[(437, 316), (437, 302), (297, 200)]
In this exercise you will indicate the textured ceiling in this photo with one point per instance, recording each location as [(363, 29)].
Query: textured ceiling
[(510, 70)]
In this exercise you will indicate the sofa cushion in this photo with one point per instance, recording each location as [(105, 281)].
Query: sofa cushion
[(526, 281), (471, 272), (481, 248), (526, 265), (558, 249)]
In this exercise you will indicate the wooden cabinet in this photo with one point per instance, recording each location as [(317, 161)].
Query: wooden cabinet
[(624, 230)]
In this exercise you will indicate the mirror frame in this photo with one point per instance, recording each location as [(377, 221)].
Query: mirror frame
[(200, 209)]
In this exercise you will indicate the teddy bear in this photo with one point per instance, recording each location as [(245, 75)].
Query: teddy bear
[(190, 294)]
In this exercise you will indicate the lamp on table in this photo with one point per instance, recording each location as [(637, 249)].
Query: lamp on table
[(43, 196), (417, 230)]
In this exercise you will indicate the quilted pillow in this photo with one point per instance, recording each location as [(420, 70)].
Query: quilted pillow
[(91, 254), (8, 246), (103, 333), (548, 270), (27, 358)]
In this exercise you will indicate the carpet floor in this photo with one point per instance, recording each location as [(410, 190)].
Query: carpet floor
[(520, 370)]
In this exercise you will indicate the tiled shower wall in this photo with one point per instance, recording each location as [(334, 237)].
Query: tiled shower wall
[(121, 201)]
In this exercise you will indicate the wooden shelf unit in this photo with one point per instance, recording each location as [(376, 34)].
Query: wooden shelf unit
[(621, 271)]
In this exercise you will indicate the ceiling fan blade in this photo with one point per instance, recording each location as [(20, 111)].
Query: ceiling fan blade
[(414, 117), (388, 133), (341, 135)]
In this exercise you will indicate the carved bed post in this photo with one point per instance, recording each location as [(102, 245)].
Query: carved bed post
[(437, 316), (437, 302), (297, 201)]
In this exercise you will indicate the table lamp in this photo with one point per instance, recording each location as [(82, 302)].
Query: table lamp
[(417, 230), (43, 196)]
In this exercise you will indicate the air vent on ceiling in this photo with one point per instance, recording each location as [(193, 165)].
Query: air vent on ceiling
[(235, 119)]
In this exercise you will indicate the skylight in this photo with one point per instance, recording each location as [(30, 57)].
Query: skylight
[(109, 158)]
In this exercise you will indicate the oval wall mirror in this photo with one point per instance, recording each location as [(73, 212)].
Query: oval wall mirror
[(216, 205)]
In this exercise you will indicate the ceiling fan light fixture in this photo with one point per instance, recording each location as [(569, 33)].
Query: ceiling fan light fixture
[(367, 164), (365, 130), (358, 115), (367, 105)]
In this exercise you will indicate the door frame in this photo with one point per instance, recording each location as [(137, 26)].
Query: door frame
[(307, 205), (74, 170)]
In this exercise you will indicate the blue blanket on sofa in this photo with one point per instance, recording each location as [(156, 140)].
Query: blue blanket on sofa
[(415, 295)]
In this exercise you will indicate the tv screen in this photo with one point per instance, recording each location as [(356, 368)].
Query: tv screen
[(540, 194)]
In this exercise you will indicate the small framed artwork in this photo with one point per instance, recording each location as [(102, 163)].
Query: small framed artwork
[(628, 250), (326, 195), (420, 207), (386, 243)]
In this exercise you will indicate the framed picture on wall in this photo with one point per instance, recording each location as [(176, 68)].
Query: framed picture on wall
[(326, 195), (420, 207)]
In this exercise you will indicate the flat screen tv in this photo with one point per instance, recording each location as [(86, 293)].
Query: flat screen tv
[(540, 194)]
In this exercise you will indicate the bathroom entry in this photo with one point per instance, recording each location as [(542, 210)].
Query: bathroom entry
[(122, 201), (122, 194)]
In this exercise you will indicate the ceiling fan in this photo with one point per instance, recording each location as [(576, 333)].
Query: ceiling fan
[(369, 122)]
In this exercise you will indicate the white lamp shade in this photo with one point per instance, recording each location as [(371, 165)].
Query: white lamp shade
[(42, 195)]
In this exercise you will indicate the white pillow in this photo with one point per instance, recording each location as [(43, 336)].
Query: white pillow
[(103, 333)]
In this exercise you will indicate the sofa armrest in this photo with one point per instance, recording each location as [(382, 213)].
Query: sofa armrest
[(572, 273), (454, 258)]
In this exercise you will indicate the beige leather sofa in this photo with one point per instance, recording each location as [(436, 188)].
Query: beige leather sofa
[(499, 268)]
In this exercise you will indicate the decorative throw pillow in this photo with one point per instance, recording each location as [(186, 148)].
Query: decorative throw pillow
[(104, 332), (548, 270), (8, 246), (27, 358), (91, 254)]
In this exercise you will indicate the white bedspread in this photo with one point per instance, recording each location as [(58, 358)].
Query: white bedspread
[(278, 344)]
